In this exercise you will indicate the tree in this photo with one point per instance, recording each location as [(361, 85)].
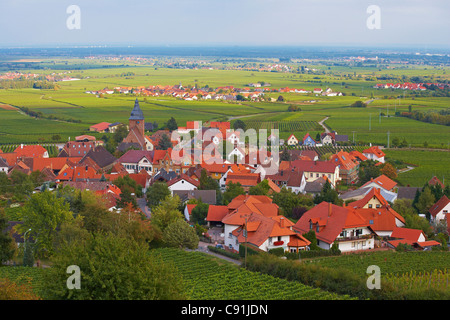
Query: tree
[(358, 104), (166, 213), (425, 201), (280, 99), (7, 244), (232, 191), (199, 213), (328, 194), (239, 124), (261, 188), (111, 268), (157, 192), (127, 198), (126, 181), (181, 235), (287, 201), (43, 213), (285, 155), (368, 170), (389, 170), (209, 183), (164, 143), (172, 124)]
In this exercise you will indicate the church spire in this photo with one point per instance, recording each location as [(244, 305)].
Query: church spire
[(136, 113)]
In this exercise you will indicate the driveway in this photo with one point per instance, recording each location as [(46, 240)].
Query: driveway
[(142, 203)]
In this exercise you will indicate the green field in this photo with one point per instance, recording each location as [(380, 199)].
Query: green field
[(363, 126)]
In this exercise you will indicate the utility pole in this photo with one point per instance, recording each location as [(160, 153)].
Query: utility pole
[(388, 139), (353, 137), (370, 120), (245, 236)]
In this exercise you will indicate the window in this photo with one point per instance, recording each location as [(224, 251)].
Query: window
[(378, 205), (370, 205), (310, 225)]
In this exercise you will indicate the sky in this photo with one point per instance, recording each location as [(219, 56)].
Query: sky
[(418, 23)]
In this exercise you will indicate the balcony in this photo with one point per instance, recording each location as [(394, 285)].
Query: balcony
[(353, 238)]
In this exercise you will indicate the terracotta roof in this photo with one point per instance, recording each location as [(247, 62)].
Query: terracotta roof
[(333, 219), (439, 205), (374, 150), (245, 179), (185, 178), (373, 193), (407, 233), (344, 159), (433, 181), (100, 126), (383, 181), (216, 213), (260, 228), (380, 219), (34, 151), (244, 205)]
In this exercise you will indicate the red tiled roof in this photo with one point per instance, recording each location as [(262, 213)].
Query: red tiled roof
[(333, 220), (439, 205), (375, 150), (185, 178), (383, 181), (373, 193), (216, 213), (100, 126), (407, 233), (245, 179), (34, 151)]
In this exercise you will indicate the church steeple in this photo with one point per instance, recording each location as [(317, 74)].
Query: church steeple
[(136, 113), (136, 120)]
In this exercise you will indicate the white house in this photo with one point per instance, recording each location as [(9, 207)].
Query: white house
[(374, 153), (337, 225), (3, 165), (136, 160), (439, 211), (183, 182), (292, 140)]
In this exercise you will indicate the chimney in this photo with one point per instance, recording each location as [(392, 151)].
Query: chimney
[(329, 209), (282, 222)]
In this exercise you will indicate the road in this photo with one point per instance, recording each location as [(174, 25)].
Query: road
[(324, 126), (142, 203)]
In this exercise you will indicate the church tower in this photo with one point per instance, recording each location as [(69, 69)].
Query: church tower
[(136, 119)]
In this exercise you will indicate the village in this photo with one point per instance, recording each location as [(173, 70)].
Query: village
[(359, 219), (254, 91)]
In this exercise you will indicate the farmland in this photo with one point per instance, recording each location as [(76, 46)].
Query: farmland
[(206, 279), (69, 111)]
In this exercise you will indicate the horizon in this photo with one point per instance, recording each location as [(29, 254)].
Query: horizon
[(414, 24)]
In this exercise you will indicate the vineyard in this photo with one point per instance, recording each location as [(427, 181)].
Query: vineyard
[(24, 275), (390, 263), (284, 125), (206, 279), (329, 149)]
